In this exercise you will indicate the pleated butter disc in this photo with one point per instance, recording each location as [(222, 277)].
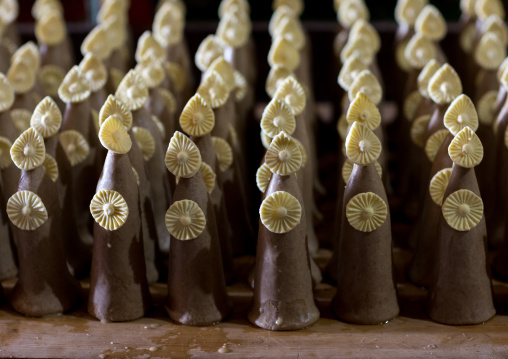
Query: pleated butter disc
[(463, 210), (176, 74), (438, 185), (9, 10), (359, 46), (366, 212), (425, 75), (209, 49), (185, 220), (182, 157), (283, 53), (96, 43), (21, 77), (347, 169), (75, 87), (303, 152), (5, 154), (495, 25), (6, 93), (29, 53), (467, 36), (149, 49), (75, 146), (485, 8), (21, 119), (223, 151), (280, 212), (234, 30), (365, 29), (168, 98), (28, 150), (50, 167), (114, 107), (197, 118), (411, 104), (418, 128), (112, 8), (276, 76), (434, 142), (114, 137), (284, 156), (406, 11), (350, 70), (400, 56), (487, 108), (278, 15), (461, 113), (168, 25), (95, 71), (367, 84), (109, 209), (490, 52), (343, 127), (263, 176), (240, 89), (419, 51), (467, 7), (145, 141), (291, 29), (350, 11), (466, 149), (213, 90), (265, 140), (362, 145), (46, 118), (26, 210), (208, 176), (292, 92), (228, 6), (430, 23), (50, 28), (277, 117), (132, 91), (50, 78), (296, 5), (363, 111), (41, 6), (225, 70), (445, 85), (152, 72)]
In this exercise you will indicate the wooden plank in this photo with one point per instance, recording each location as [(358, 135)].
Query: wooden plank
[(78, 335)]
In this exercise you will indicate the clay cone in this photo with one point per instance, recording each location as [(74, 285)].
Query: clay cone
[(197, 120), (44, 286), (462, 291), (113, 107), (8, 267), (366, 294), (76, 136), (133, 92), (459, 114), (215, 91), (47, 120), (118, 284), (196, 286), (283, 298)]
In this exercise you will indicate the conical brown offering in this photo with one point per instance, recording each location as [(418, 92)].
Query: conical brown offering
[(460, 113), (133, 92), (47, 120), (118, 284), (196, 287), (113, 107), (45, 286), (78, 140), (366, 293), (197, 120), (54, 42), (283, 298), (462, 291)]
